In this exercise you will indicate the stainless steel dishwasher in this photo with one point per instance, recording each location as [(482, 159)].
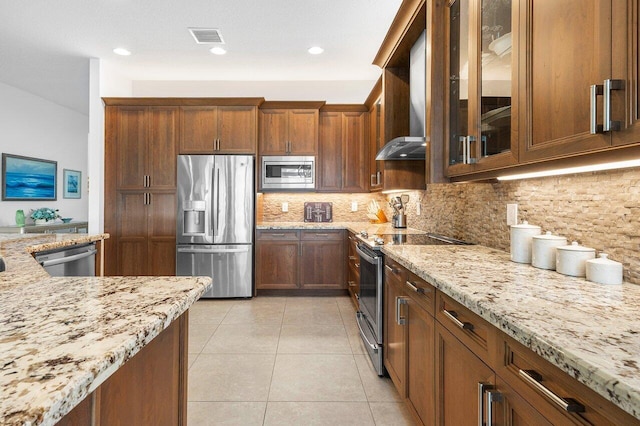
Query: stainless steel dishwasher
[(71, 261)]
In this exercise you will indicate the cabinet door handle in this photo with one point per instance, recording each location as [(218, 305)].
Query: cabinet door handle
[(595, 90), (399, 318), (454, 317), (357, 265), (417, 289), (277, 235), (352, 258), (533, 378), (149, 198), (481, 388), (610, 85), (492, 397), (351, 283), (470, 159)]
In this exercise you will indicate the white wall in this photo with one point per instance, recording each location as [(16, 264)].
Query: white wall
[(334, 92), (34, 127)]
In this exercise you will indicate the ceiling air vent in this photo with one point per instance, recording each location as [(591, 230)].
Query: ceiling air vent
[(206, 35)]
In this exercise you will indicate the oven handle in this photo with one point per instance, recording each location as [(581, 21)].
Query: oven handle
[(365, 256), (373, 347)]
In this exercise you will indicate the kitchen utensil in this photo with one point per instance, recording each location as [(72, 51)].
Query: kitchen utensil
[(521, 236), (571, 259), (543, 250), (603, 270)]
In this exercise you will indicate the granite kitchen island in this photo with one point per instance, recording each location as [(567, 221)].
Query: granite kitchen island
[(80, 346)]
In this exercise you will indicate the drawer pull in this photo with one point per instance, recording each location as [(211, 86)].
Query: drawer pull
[(357, 265), (352, 283), (417, 289), (568, 404), (390, 269), (352, 258), (321, 235), (277, 235), (454, 317)]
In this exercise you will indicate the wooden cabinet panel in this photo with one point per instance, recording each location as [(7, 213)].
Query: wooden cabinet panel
[(395, 333), (289, 131), (458, 373), (316, 270), (198, 129), (561, 74), (132, 256), (342, 161), (131, 147), (353, 269), (303, 131), (330, 160), (354, 171), (237, 130), (274, 131), (277, 264), (420, 362), (163, 149)]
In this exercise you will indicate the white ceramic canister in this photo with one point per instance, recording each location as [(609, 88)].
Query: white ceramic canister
[(521, 241), (604, 271), (543, 250), (571, 259)]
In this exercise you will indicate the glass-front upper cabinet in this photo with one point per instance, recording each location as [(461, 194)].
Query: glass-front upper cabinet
[(482, 84)]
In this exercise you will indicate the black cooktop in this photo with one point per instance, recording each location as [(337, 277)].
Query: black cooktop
[(378, 240)]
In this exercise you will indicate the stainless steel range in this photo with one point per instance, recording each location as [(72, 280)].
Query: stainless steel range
[(370, 315)]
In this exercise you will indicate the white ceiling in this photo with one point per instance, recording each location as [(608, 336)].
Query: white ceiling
[(45, 45)]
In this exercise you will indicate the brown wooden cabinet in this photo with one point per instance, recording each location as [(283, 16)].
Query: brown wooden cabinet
[(342, 159), (218, 130), (376, 138), (353, 269), (459, 373), (290, 259), (409, 339), (140, 182), (321, 258), (149, 389), (482, 91), (289, 128)]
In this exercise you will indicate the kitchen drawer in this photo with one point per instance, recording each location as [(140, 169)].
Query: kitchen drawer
[(477, 334), (279, 235), (553, 392), (394, 271), (421, 291), (322, 234)]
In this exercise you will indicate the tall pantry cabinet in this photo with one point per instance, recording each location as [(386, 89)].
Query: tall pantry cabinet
[(140, 187)]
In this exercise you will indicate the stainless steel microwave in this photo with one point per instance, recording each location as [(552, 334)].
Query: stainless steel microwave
[(288, 173)]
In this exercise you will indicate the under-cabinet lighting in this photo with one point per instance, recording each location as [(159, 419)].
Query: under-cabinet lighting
[(572, 170)]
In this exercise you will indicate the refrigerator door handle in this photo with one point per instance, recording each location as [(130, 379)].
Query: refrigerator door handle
[(213, 250)]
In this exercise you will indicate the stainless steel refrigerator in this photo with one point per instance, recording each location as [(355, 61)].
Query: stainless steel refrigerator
[(215, 221)]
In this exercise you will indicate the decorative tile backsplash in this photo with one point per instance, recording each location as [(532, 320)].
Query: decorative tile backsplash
[(599, 210)]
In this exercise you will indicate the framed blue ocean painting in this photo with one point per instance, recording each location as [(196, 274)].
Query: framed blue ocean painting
[(72, 183), (26, 178)]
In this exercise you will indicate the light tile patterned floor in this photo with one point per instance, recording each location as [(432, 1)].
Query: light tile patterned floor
[(284, 361)]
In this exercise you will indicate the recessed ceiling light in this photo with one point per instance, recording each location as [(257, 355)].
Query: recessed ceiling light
[(315, 50), (217, 51), (121, 51)]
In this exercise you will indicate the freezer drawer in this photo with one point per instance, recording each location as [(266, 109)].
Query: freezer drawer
[(230, 266)]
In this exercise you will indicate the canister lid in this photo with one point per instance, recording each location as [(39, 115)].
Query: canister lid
[(576, 247), (603, 260), (525, 225), (549, 236)]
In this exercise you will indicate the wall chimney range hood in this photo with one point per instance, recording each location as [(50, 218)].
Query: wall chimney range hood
[(412, 147)]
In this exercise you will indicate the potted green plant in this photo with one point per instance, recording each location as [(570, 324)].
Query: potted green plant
[(43, 215)]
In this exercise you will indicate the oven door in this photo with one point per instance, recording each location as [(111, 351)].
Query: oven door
[(371, 267)]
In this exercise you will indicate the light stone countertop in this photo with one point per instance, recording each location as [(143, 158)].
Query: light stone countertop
[(590, 331), (371, 228), (61, 337)]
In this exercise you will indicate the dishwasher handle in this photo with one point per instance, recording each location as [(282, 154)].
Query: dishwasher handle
[(67, 259)]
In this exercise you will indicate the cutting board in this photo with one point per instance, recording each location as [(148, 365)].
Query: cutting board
[(318, 212)]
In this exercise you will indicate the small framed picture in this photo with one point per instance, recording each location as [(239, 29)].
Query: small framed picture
[(72, 183)]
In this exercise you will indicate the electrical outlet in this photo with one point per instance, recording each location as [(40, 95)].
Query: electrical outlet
[(285, 207), (418, 209), (354, 206), (512, 214)]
